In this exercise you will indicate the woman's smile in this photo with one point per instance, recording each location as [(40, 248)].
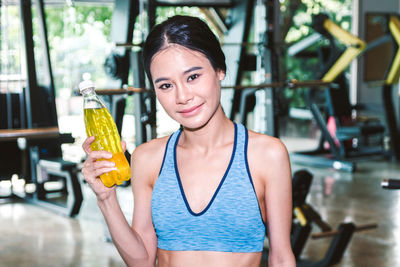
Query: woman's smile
[(188, 112)]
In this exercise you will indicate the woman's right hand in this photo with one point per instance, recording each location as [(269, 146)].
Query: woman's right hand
[(93, 168)]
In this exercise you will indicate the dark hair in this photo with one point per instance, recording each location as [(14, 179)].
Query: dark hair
[(190, 32)]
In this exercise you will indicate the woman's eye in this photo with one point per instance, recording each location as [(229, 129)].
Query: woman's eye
[(192, 77), (165, 86)]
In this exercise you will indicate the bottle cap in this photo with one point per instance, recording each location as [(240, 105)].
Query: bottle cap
[(85, 85)]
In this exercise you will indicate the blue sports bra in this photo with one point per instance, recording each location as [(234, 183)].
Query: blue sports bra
[(232, 220)]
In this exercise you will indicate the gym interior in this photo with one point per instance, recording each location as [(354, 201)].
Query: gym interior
[(320, 75)]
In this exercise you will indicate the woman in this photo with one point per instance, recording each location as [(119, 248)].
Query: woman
[(205, 195)]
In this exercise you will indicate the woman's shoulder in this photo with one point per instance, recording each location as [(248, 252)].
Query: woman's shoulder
[(152, 149), (265, 145), (267, 156), (146, 159), (264, 150)]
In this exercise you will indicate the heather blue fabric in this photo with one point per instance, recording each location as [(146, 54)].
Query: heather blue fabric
[(232, 220)]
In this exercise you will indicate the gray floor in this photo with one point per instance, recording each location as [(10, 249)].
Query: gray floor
[(33, 236)]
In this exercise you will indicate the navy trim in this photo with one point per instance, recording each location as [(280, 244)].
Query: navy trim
[(246, 142), (165, 153), (220, 183)]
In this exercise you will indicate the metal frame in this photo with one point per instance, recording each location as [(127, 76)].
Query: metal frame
[(238, 32), (123, 20), (145, 104), (39, 100), (392, 79), (271, 66), (41, 140)]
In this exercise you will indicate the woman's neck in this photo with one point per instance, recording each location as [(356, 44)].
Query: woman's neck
[(217, 132)]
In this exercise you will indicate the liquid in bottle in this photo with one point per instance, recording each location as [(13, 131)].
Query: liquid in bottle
[(100, 124)]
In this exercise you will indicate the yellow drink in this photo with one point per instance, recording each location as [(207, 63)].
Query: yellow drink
[(100, 124)]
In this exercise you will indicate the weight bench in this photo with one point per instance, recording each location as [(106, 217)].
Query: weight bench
[(65, 172), (344, 141), (39, 162)]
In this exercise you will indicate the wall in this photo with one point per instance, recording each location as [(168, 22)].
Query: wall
[(361, 91)]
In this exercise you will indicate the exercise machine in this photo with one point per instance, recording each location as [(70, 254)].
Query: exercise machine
[(124, 62), (30, 139), (392, 79), (390, 183), (344, 140), (304, 216)]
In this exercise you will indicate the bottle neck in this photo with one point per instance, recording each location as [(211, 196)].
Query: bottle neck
[(91, 100), (88, 92)]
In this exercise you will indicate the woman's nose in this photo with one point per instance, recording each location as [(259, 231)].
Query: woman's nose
[(183, 94)]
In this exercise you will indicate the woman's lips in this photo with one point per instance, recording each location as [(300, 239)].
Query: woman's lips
[(190, 111)]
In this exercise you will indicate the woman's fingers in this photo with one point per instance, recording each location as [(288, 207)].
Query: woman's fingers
[(103, 164), (97, 164), (100, 171), (92, 170), (123, 145), (101, 154), (86, 144)]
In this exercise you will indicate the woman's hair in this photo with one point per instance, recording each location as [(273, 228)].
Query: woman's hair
[(189, 32)]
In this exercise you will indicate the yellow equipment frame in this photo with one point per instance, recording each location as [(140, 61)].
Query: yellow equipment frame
[(355, 47), (394, 72)]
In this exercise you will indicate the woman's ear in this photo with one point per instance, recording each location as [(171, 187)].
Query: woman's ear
[(221, 74)]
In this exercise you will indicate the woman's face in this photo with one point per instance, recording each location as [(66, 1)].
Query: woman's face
[(186, 85)]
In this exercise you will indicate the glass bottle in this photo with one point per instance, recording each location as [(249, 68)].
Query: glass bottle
[(100, 124)]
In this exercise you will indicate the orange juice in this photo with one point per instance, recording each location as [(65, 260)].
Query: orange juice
[(100, 124)]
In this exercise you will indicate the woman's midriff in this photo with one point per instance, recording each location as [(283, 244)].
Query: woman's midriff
[(168, 258)]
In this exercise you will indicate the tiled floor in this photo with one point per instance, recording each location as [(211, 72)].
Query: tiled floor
[(33, 236)]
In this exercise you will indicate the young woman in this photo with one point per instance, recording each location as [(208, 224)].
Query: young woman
[(207, 194)]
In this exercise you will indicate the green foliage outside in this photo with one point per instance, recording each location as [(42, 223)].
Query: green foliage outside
[(10, 57), (339, 12), (79, 42)]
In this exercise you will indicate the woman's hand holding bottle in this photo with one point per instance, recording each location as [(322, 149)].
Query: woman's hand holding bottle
[(97, 164)]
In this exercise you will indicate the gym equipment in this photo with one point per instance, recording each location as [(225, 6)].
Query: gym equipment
[(117, 64), (272, 89), (39, 165), (31, 141), (336, 249), (391, 80), (390, 183), (304, 216), (344, 141), (336, 148), (123, 61), (301, 182)]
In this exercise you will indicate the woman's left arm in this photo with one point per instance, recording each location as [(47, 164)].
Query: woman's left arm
[(277, 182)]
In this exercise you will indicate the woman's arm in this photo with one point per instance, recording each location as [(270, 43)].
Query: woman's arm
[(137, 244), (273, 167)]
